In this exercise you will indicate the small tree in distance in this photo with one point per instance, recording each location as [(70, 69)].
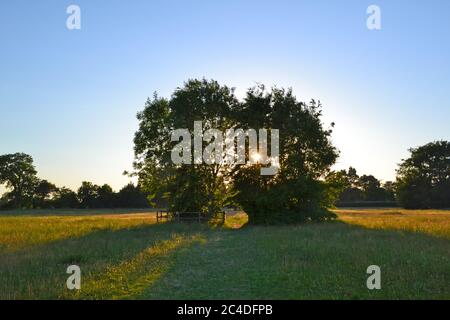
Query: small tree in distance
[(131, 196), (43, 193), (65, 198), (17, 172)]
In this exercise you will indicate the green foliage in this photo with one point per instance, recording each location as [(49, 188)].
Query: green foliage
[(106, 197), (94, 196), (336, 182), (43, 193), (423, 180), (87, 195), (281, 202), (17, 172), (356, 189), (371, 188), (65, 198), (295, 194), (131, 196), (390, 189)]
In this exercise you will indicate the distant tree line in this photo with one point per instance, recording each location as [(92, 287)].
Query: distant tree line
[(423, 181), (302, 190), (354, 189), (26, 190)]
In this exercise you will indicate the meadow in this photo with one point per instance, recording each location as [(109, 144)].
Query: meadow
[(127, 255)]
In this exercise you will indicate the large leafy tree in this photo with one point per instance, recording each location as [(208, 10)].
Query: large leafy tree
[(17, 172), (423, 180), (297, 193)]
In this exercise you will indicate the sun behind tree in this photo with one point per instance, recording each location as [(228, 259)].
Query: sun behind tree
[(295, 194)]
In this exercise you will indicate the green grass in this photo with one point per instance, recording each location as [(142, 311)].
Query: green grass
[(128, 256)]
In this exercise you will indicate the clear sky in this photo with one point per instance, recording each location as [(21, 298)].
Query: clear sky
[(69, 97)]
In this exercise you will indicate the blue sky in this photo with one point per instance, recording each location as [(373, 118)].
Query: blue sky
[(69, 97)]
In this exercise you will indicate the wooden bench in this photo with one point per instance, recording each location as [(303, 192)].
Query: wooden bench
[(163, 214), (187, 216)]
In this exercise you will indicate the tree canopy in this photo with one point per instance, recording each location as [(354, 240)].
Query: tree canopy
[(423, 179), (295, 193), (18, 173)]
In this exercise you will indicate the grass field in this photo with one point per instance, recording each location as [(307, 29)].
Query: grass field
[(126, 255)]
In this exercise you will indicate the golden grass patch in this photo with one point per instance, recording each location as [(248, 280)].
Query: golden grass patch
[(431, 222), (17, 232)]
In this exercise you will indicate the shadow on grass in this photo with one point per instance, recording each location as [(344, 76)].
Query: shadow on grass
[(108, 259), (311, 261)]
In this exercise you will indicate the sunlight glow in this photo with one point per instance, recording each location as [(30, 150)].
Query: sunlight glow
[(256, 157)]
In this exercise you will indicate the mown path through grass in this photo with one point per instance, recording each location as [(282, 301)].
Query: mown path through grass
[(308, 262)]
